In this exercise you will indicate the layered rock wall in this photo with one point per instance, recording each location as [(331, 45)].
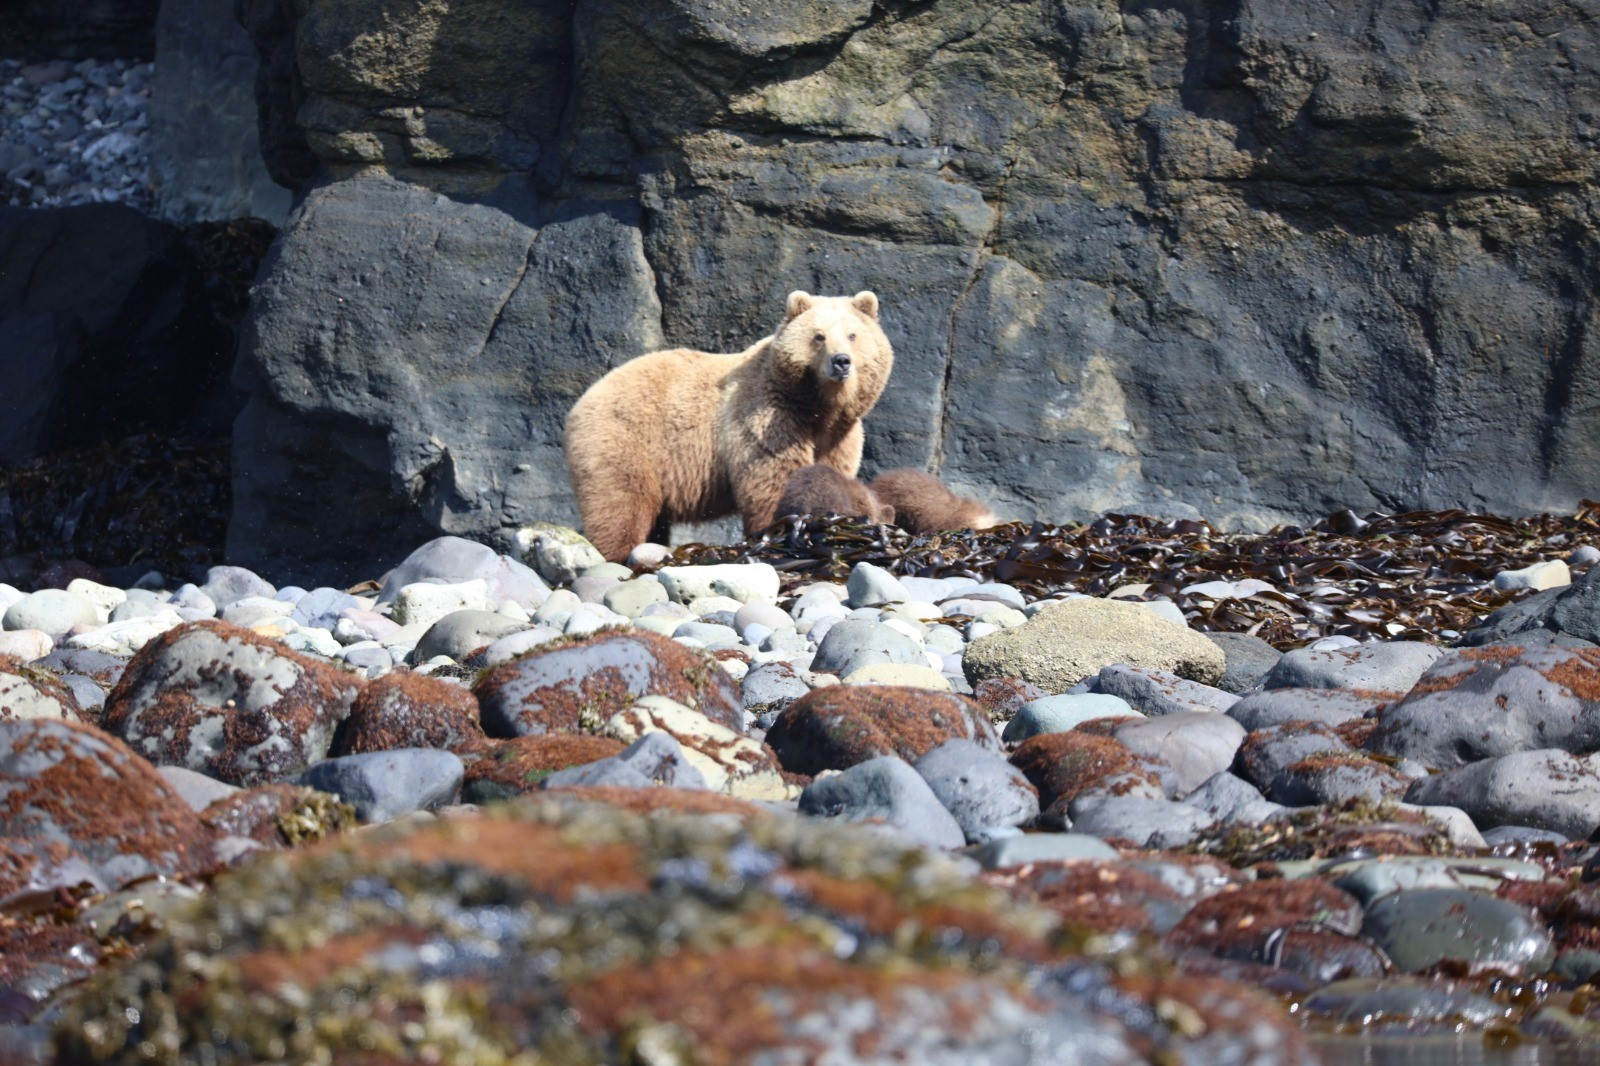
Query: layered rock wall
[(1247, 260)]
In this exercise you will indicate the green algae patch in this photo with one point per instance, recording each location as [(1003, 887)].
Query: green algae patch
[(1358, 825), (557, 931)]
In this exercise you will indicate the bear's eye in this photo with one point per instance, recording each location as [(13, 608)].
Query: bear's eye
[(818, 339), (852, 338)]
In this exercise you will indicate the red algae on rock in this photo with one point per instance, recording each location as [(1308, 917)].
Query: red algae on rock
[(575, 684), (403, 709), (571, 932), (835, 728), (228, 702)]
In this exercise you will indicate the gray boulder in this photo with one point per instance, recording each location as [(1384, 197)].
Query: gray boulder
[(887, 790), (1148, 822), (978, 786), (1196, 744), (1390, 667), (1544, 789), (857, 642), (383, 785), (655, 759), (1257, 710), (1157, 692), (1248, 659), (1478, 703)]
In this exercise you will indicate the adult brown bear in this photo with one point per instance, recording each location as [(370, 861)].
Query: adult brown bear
[(682, 435)]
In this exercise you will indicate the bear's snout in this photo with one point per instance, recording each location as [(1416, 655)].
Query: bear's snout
[(839, 366)]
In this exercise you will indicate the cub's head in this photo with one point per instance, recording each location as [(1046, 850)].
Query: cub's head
[(833, 344)]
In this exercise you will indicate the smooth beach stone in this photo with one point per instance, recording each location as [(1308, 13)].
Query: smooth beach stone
[(728, 761), (1404, 1004), (909, 674), (425, 602), (1196, 744), (1545, 789), (978, 786), (1389, 667), (1248, 658), (198, 790), (1028, 848), (1421, 928), (456, 560), (1265, 752), (518, 643), (835, 727), (706, 633), (745, 582), (52, 611), (1057, 714), (1229, 798), (1269, 707), (1158, 692), (32, 692), (1145, 820), (1550, 574), (321, 607), (1368, 879), (884, 789), (225, 584), (1336, 778), (383, 785), (853, 643), (460, 633), (873, 586), (654, 760), (559, 553)]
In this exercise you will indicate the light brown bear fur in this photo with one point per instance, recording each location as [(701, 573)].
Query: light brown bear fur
[(682, 435), (924, 504), (817, 490)]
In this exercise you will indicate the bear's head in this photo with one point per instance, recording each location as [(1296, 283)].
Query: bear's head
[(833, 348)]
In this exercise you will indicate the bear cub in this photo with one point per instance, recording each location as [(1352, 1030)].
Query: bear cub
[(819, 490), (924, 504), (682, 435)]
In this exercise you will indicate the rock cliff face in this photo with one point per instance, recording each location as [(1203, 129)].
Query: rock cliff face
[(1249, 260)]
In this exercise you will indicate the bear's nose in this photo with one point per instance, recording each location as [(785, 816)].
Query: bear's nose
[(839, 366)]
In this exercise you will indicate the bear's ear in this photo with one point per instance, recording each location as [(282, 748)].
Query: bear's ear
[(886, 513), (799, 303), (866, 302)]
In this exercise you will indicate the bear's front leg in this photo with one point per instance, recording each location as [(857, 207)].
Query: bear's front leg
[(845, 453)]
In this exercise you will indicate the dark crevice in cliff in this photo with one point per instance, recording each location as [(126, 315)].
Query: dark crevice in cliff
[(505, 297), (1564, 371)]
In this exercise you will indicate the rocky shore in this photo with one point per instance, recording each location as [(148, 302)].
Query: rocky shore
[(535, 806)]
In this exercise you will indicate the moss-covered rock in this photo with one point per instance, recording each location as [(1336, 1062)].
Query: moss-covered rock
[(835, 728), (574, 933)]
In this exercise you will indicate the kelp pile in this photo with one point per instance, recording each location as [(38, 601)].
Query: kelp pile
[(151, 500), (1418, 575)]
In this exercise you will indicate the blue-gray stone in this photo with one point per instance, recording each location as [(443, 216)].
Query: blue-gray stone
[(382, 785), (978, 786), (654, 760), (854, 642), (1424, 927), (885, 789), (1057, 714)]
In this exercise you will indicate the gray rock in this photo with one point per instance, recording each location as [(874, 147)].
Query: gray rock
[(854, 643), (198, 790), (768, 688), (321, 607), (873, 586), (1573, 611), (455, 560), (190, 598), (1411, 1005), (1336, 779), (707, 633), (1266, 752), (518, 643), (1522, 834), (885, 789), (655, 759), (1027, 848), (51, 611), (383, 785), (1057, 714), (1158, 692), (1248, 659), (205, 154), (1479, 703), (460, 633), (1197, 744), (1545, 789), (1423, 927), (1258, 710), (1390, 667), (1145, 820), (225, 584), (1228, 798), (631, 598), (978, 786)]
